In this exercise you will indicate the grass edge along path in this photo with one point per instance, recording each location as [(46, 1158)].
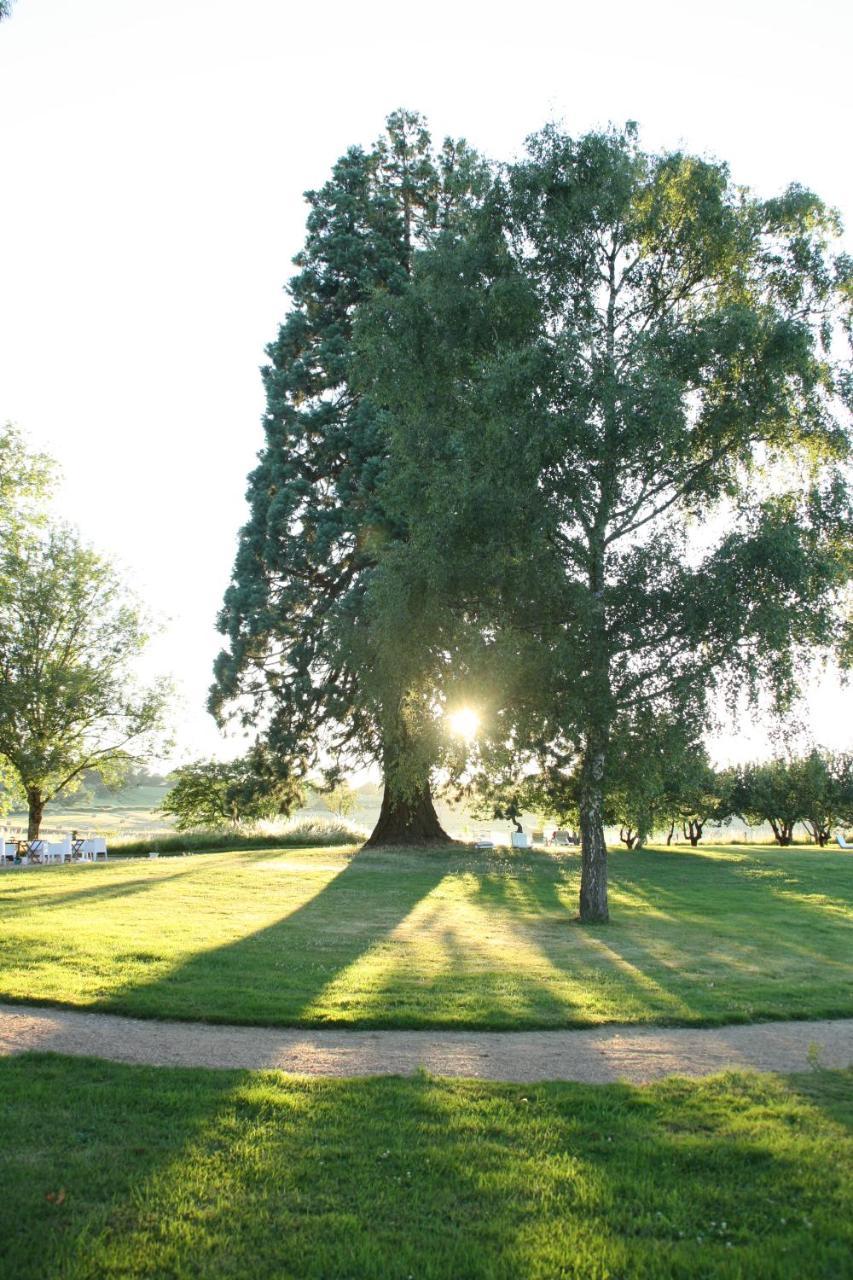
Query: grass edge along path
[(456, 939), (139, 1172)]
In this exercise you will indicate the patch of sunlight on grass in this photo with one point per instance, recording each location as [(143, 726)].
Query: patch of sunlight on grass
[(641, 979), (445, 937)]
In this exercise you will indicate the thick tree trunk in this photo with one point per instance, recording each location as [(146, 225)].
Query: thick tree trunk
[(627, 836), (593, 899), (35, 804), (407, 820)]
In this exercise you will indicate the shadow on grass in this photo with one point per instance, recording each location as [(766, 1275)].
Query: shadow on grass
[(274, 975), (86, 893), (132, 1172)]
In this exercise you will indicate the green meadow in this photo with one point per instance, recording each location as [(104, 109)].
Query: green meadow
[(453, 938)]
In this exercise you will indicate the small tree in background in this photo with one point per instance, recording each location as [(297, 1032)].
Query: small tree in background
[(816, 790), (827, 785), (215, 794), (69, 701), (341, 800), (771, 792)]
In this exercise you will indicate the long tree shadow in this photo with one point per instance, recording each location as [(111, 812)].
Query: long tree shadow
[(275, 975), (14, 904), (175, 1172)]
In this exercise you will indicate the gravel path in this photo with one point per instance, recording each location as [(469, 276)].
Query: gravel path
[(635, 1054)]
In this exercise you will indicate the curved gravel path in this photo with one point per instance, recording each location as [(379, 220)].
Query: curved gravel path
[(597, 1055)]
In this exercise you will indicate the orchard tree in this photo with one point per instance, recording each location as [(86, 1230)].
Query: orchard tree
[(68, 698), (827, 783), (619, 433), (212, 794), (298, 658), (816, 790)]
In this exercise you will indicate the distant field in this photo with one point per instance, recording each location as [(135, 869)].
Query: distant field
[(452, 938), (133, 814)]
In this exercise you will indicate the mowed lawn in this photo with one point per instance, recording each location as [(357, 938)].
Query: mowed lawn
[(137, 1172), (453, 938)]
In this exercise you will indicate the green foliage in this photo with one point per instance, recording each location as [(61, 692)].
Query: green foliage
[(69, 702), (26, 481), (305, 833), (816, 789), (619, 437), (297, 652), (11, 794), (341, 800), (214, 794)]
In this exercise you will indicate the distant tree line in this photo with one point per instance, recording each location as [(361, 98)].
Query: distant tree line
[(655, 794)]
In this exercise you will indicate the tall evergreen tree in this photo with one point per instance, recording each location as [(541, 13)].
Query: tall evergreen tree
[(298, 657)]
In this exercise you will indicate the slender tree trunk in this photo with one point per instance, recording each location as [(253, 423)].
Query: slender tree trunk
[(35, 803), (671, 833), (627, 837), (593, 899)]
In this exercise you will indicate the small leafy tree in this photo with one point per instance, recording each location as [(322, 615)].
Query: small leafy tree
[(815, 789), (827, 784), (771, 792), (213, 794), (341, 800), (69, 701)]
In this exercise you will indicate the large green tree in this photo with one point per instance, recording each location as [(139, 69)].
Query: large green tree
[(69, 700), (298, 660), (618, 428)]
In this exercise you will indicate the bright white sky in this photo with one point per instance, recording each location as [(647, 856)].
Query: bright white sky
[(153, 158)]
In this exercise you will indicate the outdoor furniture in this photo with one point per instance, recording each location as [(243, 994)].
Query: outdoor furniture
[(520, 840), (843, 843), (91, 850), (59, 851), (36, 850), (9, 853)]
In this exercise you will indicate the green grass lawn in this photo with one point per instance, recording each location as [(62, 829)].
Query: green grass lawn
[(453, 938), (112, 1171)]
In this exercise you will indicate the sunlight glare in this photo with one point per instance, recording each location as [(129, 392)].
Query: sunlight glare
[(464, 723)]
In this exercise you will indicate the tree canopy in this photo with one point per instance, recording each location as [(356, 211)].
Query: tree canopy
[(212, 794), (619, 424)]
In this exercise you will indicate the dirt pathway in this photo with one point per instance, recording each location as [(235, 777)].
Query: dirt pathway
[(636, 1054)]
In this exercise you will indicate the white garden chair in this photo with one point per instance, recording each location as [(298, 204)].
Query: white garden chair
[(99, 846)]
